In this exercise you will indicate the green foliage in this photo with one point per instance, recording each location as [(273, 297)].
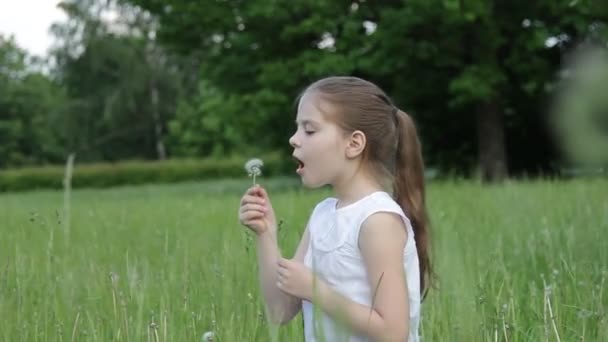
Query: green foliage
[(148, 79), (257, 56), (203, 125), (442, 61), (123, 87), (102, 175), (30, 109)]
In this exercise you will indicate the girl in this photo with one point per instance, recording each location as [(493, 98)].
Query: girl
[(362, 263)]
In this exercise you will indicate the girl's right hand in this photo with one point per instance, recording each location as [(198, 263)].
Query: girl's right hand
[(256, 212)]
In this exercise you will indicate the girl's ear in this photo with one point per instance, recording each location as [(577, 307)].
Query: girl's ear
[(355, 144)]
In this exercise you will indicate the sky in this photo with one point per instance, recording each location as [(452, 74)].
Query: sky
[(29, 21)]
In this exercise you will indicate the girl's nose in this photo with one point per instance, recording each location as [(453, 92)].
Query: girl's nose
[(292, 141)]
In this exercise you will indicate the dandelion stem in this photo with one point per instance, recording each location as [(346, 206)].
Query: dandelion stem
[(549, 309), (546, 325), (126, 319), (114, 304), (504, 329), (165, 326), (75, 326), (67, 187), (601, 291), (553, 319)]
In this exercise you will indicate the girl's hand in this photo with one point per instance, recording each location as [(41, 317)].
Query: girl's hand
[(296, 279), (256, 212)]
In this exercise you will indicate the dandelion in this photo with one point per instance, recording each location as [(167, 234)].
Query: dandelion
[(254, 168), (208, 336)]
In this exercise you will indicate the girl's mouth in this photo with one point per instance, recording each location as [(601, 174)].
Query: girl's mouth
[(299, 163)]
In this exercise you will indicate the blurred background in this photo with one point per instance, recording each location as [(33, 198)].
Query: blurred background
[(150, 90), (511, 102)]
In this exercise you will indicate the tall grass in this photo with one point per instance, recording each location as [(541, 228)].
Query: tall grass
[(516, 262)]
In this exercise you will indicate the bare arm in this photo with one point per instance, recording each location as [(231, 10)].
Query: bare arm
[(382, 240), (282, 307), (257, 214)]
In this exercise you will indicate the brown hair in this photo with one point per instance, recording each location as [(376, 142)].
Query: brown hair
[(392, 150)]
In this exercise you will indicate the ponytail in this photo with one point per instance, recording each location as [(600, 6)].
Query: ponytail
[(409, 191)]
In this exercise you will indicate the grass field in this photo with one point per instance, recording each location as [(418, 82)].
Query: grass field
[(525, 261)]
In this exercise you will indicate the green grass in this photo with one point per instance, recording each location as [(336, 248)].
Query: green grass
[(169, 263)]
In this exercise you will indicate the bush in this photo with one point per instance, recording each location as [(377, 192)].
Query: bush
[(103, 175)]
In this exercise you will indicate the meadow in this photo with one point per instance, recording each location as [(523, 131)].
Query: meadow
[(519, 261)]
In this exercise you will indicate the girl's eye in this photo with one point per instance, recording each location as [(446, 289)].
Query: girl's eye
[(309, 132)]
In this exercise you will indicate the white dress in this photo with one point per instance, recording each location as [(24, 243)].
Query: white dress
[(333, 254)]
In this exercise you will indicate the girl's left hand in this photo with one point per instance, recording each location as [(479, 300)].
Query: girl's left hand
[(295, 279)]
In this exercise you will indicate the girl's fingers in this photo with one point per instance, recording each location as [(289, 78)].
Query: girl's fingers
[(282, 272), (251, 215), (253, 207), (243, 214), (252, 199), (254, 191), (257, 191), (263, 192)]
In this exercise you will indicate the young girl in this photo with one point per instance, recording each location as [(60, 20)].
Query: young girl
[(362, 263)]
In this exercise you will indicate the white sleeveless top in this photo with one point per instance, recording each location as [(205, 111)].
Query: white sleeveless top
[(333, 254)]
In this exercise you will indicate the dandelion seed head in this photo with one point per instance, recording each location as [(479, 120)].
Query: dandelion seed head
[(254, 167), (208, 336)]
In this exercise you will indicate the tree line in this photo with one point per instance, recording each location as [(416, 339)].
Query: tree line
[(148, 79)]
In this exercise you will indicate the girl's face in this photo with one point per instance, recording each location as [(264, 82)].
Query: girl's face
[(319, 145)]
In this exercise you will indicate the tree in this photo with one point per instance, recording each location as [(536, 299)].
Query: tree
[(29, 105), (474, 73), (123, 87)]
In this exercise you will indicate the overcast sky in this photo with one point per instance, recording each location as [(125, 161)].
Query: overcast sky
[(29, 21)]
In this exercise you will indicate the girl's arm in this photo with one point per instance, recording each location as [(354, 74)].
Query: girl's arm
[(257, 214), (282, 307), (381, 240)]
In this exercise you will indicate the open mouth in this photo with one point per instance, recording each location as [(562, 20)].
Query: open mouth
[(299, 163)]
